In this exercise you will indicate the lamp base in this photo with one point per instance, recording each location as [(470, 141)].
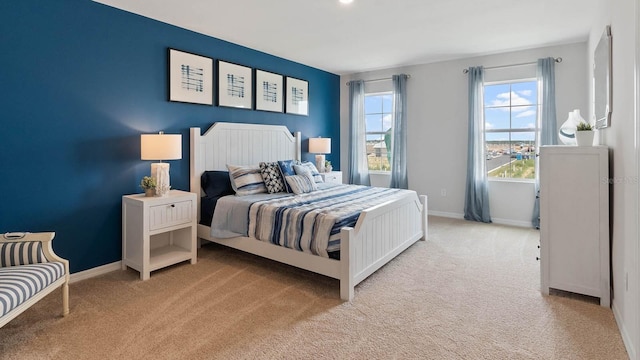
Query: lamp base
[(160, 172), (320, 162)]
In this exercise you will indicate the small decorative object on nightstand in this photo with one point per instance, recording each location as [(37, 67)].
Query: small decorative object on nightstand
[(148, 184), (332, 177), (158, 231)]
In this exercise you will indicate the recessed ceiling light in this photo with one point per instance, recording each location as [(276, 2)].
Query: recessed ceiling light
[(346, 1)]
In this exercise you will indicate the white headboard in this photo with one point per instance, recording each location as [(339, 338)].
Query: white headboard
[(239, 144)]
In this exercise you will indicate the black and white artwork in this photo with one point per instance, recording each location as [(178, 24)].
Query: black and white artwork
[(269, 91), (190, 78), (297, 96), (234, 85)]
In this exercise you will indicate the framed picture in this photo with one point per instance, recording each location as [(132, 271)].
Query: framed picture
[(190, 78), (234, 85), (297, 96), (269, 91)]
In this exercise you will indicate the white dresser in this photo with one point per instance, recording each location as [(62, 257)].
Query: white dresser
[(574, 220)]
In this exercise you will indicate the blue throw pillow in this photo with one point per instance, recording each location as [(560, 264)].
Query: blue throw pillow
[(286, 168)]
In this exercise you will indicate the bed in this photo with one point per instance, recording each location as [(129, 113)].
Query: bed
[(380, 233)]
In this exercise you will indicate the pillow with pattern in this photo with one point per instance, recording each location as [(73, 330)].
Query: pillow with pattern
[(286, 169), (301, 184), (272, 177), (308, 167), (246, 180)]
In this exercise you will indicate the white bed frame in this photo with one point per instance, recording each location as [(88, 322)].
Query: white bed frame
[(381, 233)]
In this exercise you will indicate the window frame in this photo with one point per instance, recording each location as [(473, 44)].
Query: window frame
[(535, 130), (366, 133)]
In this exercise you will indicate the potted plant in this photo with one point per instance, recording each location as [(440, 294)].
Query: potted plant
[(148, 184), (584, 134), (327, 166)]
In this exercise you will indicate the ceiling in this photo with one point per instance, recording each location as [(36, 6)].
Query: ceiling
[(376, 34)]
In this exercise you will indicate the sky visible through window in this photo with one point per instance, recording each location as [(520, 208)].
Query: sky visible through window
[(511, 106)]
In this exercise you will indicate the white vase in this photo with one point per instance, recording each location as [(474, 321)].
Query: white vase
[(584, 138)]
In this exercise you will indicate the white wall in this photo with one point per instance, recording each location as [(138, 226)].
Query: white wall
[(621, 137), (437, 123)]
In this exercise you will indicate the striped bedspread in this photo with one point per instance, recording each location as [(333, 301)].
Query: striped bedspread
[(311, 222)]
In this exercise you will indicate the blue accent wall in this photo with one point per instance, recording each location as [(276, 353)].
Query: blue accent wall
[(80, 82)]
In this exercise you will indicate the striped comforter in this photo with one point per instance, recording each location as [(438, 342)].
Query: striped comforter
[(311, 222)]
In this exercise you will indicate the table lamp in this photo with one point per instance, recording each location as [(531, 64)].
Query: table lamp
[(160, 147), (320, 146)]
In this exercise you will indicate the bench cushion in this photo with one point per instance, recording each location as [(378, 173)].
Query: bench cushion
[(19, 283)]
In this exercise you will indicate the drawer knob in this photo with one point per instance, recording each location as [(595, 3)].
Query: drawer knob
[(173, 205)]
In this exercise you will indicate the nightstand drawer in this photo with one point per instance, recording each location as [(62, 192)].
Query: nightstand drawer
[(332, 177), (165, 215)]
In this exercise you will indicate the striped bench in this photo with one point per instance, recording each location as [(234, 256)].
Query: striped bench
[(29, 270)]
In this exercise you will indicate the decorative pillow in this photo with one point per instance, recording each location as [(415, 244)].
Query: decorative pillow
[(308, 167), (216, 183), (286, 168), (272, 177), (246, 180), (301, 184)]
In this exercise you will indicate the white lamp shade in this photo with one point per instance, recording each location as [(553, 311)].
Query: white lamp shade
[(320, 145), (160, 146)]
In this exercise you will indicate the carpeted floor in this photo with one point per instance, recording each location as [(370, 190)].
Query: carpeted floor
[(472, 291)]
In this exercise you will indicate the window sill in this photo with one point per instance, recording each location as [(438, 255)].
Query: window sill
[(512, 180), (378, 172)]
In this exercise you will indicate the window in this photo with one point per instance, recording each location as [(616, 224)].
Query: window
[(510, 115), (378, 112)]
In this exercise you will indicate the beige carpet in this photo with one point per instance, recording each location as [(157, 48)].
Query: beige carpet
[(470, 292)]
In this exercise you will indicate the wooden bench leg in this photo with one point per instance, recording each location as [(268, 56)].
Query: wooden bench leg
[(65, 298)]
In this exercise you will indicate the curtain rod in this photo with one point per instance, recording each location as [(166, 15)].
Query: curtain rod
[(382, 79), (558, 60)]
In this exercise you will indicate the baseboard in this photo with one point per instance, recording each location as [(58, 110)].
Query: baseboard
[(96, 271), (628, 342), (518, 223), (445, 214)]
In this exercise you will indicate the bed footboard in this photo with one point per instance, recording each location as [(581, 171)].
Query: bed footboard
[(380, 234)]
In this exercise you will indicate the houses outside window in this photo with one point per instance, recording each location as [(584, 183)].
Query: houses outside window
[(511, 128), (378, 112)]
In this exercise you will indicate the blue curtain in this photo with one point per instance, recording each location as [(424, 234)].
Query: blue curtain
[(547, 119), (358, 166), (399, 143), (476, 203)]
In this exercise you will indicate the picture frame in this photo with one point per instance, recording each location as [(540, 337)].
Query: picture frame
[(235, 85), (190, 77), (297, 96), (269, 91)]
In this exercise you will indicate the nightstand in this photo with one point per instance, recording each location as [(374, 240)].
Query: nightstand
[(332, 177), (158, 231)]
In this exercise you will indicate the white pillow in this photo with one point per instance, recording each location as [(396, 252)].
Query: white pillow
[(246, 180), (308, 167), (301, 184)]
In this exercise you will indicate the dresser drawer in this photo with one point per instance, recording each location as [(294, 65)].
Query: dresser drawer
[(165, 215)]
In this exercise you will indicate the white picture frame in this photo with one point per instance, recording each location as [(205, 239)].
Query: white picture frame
[(297, 96), (234, 85), (269, 91), (190, 77)]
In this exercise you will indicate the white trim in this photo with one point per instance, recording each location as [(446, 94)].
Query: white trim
[(509, 222), (446, 214), (626, 339), (96, 271)]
